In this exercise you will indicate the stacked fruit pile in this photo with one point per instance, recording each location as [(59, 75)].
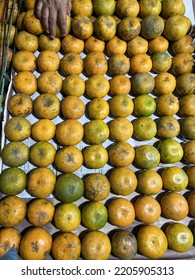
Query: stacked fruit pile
[(100, 134)]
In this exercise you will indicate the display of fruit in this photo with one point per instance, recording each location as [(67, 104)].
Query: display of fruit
[(98, 137)]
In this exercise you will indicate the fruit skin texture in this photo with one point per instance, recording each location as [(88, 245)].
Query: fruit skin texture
[(9, 237), (128, 28), (188, 127), (176, 27), (147, 157), (152, 242), (66, 246), (41, 182), (96, 187), (67, 217), (15, 154), (121, 154), (124, 245), (170, 151), (96, 132), (152, 27), (40, 212), (147, 209), (94, 215), (174, 206), (123, 181), (179, 237), (105, 27), (12, 181), (69, 187), (35, 244), (12, 211), (121, 212), (102, 7), (174, 179), (96, 245)]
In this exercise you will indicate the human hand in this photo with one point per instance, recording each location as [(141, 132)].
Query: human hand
[(51, 13)]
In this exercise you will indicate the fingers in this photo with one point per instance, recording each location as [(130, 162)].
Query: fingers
[(69, 7), (52, 23), (45, 18), (50, 12), (38, 9), (62, 22)]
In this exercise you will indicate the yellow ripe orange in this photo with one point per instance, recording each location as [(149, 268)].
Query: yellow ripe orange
[(66, 246), (24, 40), (12, 211), (116, 45), (137, 45), (41, 182), (121, 154), (67, 217), (33, 238), (147, 209), (73, 85), (69, 132), (95, 63), (46, 106), (95, 156), (49, 82), (48, 60), (121, 129), (149, 182), (73, 44), (45, 43), (72, 107), (84, 7), (123, 181), (97, 187), (32, 23), (40, 212), (182, 63), (152, 242), (121, 105), (159, 44), (174, 206), (191, 203), (68, 159), (24, 61), (71, 64), (43, 130), (121, 212), (93, 44), (93, 240), (120, 84), (98, 108), (127, 8), (149, 8), (20, 105), (25, 82), (141, 63), (191, 176), (165, 83), (167, 104), (97, 86), (174, 179)]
